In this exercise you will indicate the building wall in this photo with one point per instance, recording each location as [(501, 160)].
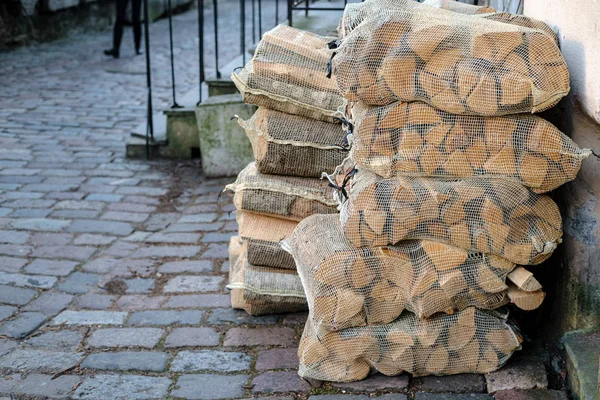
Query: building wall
[(576, 301)]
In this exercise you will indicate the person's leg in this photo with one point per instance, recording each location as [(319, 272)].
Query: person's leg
[(136, 6), (118, 31)]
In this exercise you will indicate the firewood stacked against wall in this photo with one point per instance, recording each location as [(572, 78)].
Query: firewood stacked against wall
[(447, 200), (294, 138)]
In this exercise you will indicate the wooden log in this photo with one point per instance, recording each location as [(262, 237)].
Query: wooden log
[(442, 256), (449, 101), (502, 340), (524, 279), (503, 163), (476, 153), (488, 281), (452, 282), (425, 41), (458, 165), (525, 300), (349, 307), (495, 46), (483, 99), (411, 145), (488, 359), (468, 355), (399, 75), (423, 283), (437, 361), (311, 350), (514, 89), (421, 113), (361, 274), (395, 117), (533, 170)]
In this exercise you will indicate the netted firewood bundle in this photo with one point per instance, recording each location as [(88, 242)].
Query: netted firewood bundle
[(262, 235), (349, 287), (288, 73), (418, 140), (492, 14), (262, 290), (490, 216), (470, 341), (459, 63), (285, 144), (288, 197)]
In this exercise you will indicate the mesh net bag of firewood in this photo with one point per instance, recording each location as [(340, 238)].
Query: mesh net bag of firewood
[(288, 73), (262, 235), (470, 341), (281, 196), (349, 287), (492, 14), (418, 140), (490, 216), (459, 63), (262, 290), (285, 144)]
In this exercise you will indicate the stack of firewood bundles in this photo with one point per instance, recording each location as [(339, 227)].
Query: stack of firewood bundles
[(446, 201), (294, 139)]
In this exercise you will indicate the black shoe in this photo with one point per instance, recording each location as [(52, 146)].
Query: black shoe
[(138, 52), (112, 52)]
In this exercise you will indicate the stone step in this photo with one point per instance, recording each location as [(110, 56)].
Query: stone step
[(583, 356)]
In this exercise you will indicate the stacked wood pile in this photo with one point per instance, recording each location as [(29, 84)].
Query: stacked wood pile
[(446, 201), (294, 139)]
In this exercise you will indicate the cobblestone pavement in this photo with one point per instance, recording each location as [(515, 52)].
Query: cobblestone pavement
[(112, 271)]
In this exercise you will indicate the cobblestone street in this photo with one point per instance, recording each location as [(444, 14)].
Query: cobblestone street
[(113, 271)]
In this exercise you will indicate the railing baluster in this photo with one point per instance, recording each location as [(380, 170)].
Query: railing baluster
[(149, 122), (306, 8), (276, 12), (290, 4), (259, 20), (216, 26), (243, 29), (253, 21), (170, 15), (201, 45)]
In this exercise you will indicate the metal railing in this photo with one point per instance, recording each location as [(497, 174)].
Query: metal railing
[(257, 31)]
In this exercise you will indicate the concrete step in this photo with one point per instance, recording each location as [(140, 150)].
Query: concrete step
[(135, 146), (583, 356)]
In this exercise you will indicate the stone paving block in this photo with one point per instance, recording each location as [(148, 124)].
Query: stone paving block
[(101, 265), (56, 340), (30, 213), (94, 301), (7, 311), (462, 383), (39, 385), (197, 266), (79, 283), (277, 359), (7, 383), (139, 302), (137, 236), (166, 251), (15, 250), (24, 324), (122, 387), (50, 303), (40, 224), (376, 382), (530, 394), (518, 375), (120, 249), (279, 382), (137, 190), (130, 207), (160, 237), (452, 396), (202, 227), (79, 205), (7, 345), (214, 237), (75, 214), (159, 221), (182, 337), (31, 203), (51, 238), (94, 226), (39, 360), (94, 239), (11, 264), (125, 216), (211, 360), (70, 317), (162, 317), (81, 253), (225, 266), (192, 283), (215, 250), (198, 301), (51, 267), (35, 281), (285, 337), (391, 396), (238, 317), (13, 237), (125, 337), (106, 197), (16, 296), (210, 387), (198, 218), (139, 285), (127, 361)]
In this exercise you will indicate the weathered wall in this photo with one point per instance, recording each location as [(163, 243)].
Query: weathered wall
[(575, 303)]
